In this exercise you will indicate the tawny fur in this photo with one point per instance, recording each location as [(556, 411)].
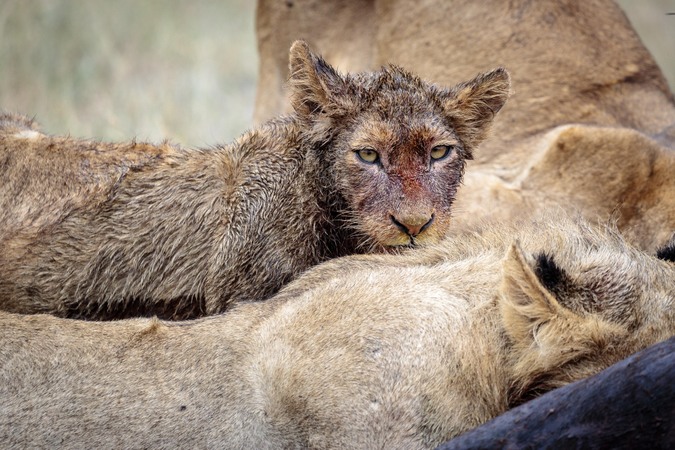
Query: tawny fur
[(370, 351), (102, 230), (589, 100)]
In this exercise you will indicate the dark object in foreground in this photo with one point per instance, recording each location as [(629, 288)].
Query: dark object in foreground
[(629, 405)]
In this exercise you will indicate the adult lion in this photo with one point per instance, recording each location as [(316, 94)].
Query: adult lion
[(362, 352)]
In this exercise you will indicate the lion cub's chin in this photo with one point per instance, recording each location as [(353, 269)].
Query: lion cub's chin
[(402, 241), (395, 249)]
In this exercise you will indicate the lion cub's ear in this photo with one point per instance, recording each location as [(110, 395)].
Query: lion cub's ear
[(315, 86), (471, 106)]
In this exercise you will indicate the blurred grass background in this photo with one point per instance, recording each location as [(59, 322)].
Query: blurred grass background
[(117, 69), (177, 69)]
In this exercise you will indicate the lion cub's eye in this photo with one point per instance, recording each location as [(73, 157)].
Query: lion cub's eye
[(367, 155), (441, 152)]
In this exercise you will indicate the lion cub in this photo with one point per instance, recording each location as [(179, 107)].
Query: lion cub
[(367, 163)]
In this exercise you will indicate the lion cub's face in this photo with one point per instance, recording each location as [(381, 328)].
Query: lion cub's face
[(398, 145), (400, 177)]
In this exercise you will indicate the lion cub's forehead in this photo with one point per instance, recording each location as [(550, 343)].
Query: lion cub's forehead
[(394, 94), (372, 131), (406, 106)]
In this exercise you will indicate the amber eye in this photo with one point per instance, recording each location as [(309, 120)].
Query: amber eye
[(367, 155), (441, 152)]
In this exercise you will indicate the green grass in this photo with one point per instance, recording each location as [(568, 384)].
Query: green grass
[(154, 69)]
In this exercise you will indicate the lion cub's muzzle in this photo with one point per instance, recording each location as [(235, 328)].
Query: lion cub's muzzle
[(413, 225), (409, 229)]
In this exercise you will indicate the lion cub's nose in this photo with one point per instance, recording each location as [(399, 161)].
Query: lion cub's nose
[(413, 225)]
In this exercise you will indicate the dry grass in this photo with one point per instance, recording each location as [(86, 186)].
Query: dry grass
[(657, 30), (155, 69), (118, 69)]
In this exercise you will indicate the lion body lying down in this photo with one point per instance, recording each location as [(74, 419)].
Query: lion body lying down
[(377, 351)]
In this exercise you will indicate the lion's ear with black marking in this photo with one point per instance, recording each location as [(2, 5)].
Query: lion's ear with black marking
[(316, 87), (667, 252), (527, 300), (534, 298), (546, 335)]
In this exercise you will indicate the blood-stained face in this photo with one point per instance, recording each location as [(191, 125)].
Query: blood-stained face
[(401, 175), (399, 144)]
